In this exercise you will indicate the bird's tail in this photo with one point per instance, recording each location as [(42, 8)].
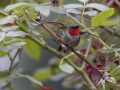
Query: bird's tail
[(60, 48)]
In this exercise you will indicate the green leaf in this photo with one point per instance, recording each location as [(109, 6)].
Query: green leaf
[(2, 53), (58, 10), (115, 70), (97, 6), (17, 6), (12, 46), (73, 6), (117, 78), (13, 40), (42, 74), (8, 19), (66, 68), (83, 1), (16, 33), (10, 28), (44, 10), (91, 13), (31, 79), (2, 35), (109, 23), (32, 49), (101, 17), (110, 50)]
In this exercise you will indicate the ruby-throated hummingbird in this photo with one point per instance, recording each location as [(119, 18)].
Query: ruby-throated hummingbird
[(70, 36)]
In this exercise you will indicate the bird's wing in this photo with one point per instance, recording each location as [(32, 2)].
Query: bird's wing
[(58, 24)]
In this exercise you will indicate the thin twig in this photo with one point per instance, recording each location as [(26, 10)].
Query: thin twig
[(12, 61)]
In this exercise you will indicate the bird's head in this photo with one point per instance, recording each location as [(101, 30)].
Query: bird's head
[(74, 30)]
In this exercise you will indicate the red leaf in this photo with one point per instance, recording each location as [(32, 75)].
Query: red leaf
[(93, 46), (114, 4), (9, 24), (92, 74), (99, 66), (83, 51), (44, 88)]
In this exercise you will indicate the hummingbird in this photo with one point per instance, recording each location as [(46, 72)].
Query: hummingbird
[(70, 36)]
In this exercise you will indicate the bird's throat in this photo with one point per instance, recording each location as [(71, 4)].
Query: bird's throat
[(74, 32)]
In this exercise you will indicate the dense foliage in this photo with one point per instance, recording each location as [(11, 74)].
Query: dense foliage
[(25, 26)]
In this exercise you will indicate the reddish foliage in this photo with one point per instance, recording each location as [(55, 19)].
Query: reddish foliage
[(9, 24), (83, 51), (92, 73), (44, 88), (98, 45), (113, 3)]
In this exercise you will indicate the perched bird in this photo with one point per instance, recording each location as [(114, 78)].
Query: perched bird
[(71, 36)]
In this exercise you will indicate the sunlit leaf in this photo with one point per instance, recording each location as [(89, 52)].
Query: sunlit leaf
[(83, 1), (32, 49), (91, 13), (58, 10), (17, 5), (12, 46), (73, 6), (8, 19), (31, 79), (45, 10), (109, 23), (42, 74), (10, 28), (2, 35), (16, 33), (101, 17), (97, 6), (66, 68)]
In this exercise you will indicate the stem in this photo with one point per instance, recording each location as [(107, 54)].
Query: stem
[(12, 61), (68, 56), (82, 20), (13, 1), (111, 31), (83, 74), (87, 52)]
